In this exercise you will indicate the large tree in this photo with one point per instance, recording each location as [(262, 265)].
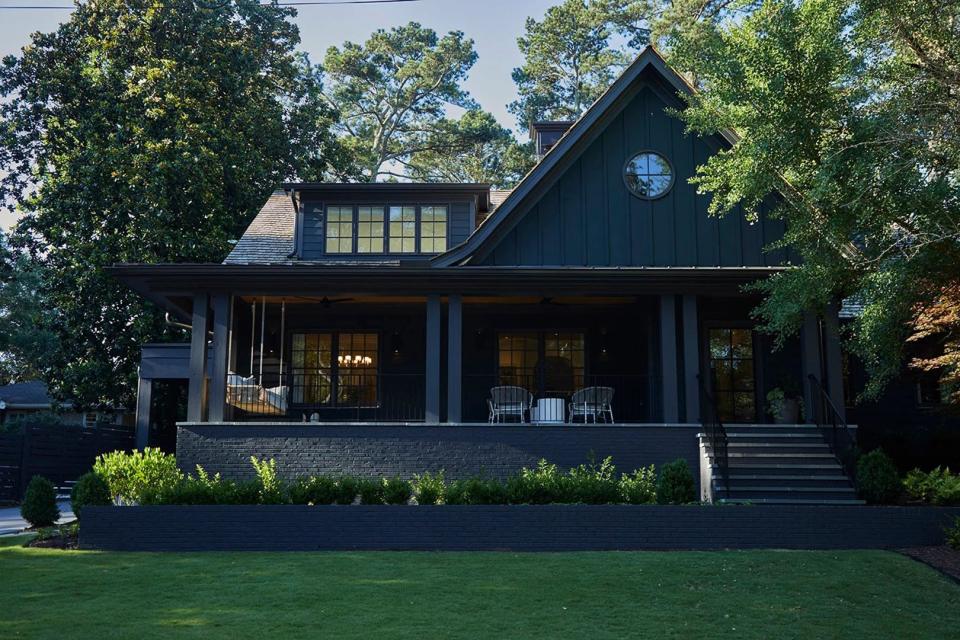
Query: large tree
[(394, 94), (850, 111), (146, 131), (486, 153)]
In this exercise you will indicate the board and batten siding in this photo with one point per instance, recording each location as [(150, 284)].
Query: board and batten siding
[(460, 224), (589, 218)]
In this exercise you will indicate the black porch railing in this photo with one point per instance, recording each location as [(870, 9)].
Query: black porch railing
[(835, 430), (535, 399), (318, 397), (716, 433)]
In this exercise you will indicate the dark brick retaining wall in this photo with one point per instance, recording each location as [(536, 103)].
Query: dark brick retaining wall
[(517, 528), (462, 451)]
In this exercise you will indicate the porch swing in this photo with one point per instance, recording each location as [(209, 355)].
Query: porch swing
[(248, 394)]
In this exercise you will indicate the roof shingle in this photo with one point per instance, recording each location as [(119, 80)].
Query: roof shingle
[(269, 238)]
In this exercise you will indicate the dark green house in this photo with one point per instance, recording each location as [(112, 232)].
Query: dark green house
[(595, 309)]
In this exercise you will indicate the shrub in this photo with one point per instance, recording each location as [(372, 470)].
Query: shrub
[(591, 484), (271, 487), (476, 490), (640, 487), (541, 485), (396, 491), (39, 506), (938, 487), (953, 534), (90, 489), (317, 491), (371, 491), (347, 490), (675, 484), (206, 489), (429, 488), (877, 479), (131, 476)]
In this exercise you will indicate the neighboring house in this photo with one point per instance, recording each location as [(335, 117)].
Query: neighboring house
[(599, 290), (23, 399)]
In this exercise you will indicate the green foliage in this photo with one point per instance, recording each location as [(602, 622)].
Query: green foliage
[(952, 534), (594, 484), (639, 487), (541, 485), (843, 109), (90, 489), (314, 491), (143, 131), (392, 93), (878, 481), (396, 491), (272, 490), (39, 506), (26, 340), (476, 490), (940, 486), (676, 484), (347, 490), (134, 476), (429, 488), (371, 491)]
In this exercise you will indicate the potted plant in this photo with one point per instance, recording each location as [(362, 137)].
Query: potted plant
[(783, 405)]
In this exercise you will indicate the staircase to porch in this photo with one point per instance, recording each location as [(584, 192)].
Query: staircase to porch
[(779, 464)]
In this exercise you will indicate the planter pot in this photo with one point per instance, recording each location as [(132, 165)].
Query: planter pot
[(789, 412)]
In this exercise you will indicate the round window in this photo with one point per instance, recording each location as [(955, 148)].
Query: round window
[(648, 175)]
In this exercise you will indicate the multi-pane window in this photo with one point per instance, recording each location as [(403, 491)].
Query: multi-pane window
[(433, 229), (403, 229), (339, 229), (731, 360), (397, 229), (370, 230), (335, 369), (550, 364)]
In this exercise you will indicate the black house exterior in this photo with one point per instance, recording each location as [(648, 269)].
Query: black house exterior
[(384, 316)]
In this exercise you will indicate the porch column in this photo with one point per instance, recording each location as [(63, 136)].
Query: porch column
[(691, 358), (432, 372), (668, 358), (833, 360), (144, 393), (454, 357), (198, 359), (221, 336), (810, 360)]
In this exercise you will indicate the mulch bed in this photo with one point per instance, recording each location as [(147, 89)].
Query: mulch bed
[(62, 538), (942, 558)]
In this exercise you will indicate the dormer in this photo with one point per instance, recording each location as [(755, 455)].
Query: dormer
[(383, 221), (546, 133)]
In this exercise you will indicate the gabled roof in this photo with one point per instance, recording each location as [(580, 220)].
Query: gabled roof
[(31, 394), (549, 167)]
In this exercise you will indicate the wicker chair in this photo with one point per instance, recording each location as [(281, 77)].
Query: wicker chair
[(592, 402), (509, 401)]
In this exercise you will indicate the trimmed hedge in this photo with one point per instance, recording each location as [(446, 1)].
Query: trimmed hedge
[(39, 506)]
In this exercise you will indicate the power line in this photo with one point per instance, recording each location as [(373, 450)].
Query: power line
[(279, 4)]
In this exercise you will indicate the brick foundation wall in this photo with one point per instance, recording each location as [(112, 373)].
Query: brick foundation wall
[(461, 451), (516, 528)]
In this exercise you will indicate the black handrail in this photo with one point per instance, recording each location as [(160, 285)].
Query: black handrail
[(716, 433), (836, 431)]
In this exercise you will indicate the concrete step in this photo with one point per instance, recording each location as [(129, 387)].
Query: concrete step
[(796, 501), (826, 469), (742, 481), (792, 493), (777, 447), (736, 457)]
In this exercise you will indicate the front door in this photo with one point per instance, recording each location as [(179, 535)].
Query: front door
[(731, 352)]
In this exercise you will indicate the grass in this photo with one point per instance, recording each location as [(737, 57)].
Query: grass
[(755, 594)]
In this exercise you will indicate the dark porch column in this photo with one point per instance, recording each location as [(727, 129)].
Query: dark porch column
[(833, 359), (198, 358), (668, 358), (454, 357), (144, 393), (691, 358), (810, 360), (221, 336), (432, 370)]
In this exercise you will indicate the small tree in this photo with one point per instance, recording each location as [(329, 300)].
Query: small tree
[(39, 506)]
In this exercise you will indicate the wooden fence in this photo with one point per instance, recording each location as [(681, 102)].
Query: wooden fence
[(61, 453)]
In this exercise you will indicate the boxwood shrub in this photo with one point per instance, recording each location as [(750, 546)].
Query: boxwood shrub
[(878, 481), (39, 506), (90, 489)]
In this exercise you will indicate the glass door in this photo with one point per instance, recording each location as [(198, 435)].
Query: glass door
[(734, 380)]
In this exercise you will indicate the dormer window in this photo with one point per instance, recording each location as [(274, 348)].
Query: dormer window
[(386, 230)]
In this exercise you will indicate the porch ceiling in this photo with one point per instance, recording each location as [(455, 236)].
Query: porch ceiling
[(172, 285)]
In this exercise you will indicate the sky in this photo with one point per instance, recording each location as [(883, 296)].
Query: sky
[(494, 25)]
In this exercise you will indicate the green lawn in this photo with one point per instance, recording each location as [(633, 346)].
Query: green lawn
[(757, 594)]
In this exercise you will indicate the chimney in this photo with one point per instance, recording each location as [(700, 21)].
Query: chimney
[(546, 133)]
